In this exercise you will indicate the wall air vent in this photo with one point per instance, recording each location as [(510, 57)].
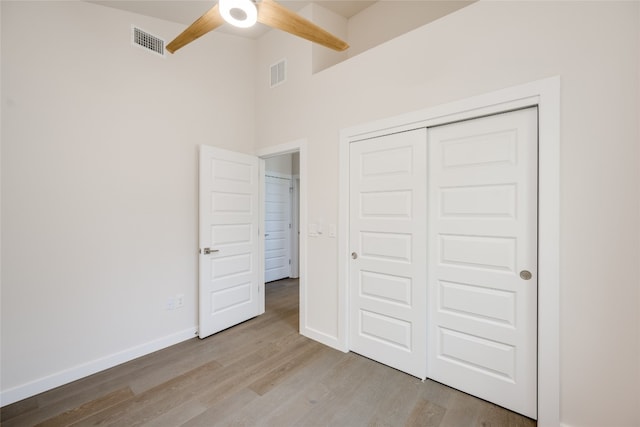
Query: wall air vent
[(147, 41), (278, 73)]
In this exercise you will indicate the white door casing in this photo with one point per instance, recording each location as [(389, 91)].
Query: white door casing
[(277, 228), (387, 237), (482, 239), (295, 228), (229, 280)]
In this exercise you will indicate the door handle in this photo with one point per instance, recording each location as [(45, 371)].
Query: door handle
[(208, 251), (354, 255), (525, 275)]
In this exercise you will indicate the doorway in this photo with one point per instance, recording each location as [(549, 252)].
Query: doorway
[(281, 211), (298, 151), (231, 235)]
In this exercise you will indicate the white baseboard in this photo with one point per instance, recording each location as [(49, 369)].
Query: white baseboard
[(72, 374)]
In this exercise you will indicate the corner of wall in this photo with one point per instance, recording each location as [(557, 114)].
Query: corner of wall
[(322, 57)]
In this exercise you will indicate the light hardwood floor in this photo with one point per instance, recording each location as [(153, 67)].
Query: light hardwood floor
[(261, 372)]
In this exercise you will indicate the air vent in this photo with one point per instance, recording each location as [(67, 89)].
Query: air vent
[(147, 41), (278, 73)]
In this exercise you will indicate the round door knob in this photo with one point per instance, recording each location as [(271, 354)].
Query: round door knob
[(354, 255), (525, 275)]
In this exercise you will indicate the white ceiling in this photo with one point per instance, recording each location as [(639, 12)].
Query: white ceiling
[(186, 11)]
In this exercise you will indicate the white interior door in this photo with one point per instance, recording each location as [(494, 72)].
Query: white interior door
[(229, 245), (483, 258), (388, 240), (277, 228)]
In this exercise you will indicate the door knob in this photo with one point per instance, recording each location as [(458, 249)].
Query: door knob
[(525, 275), (354, 255), (208, 251)]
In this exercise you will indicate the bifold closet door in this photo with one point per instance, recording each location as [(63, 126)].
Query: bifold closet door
[(482, 265), (388, 284)]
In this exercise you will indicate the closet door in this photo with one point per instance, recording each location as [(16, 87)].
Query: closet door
[(388, 244), (483, 258)]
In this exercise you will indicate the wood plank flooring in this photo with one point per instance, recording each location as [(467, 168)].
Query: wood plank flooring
[(261, 372)]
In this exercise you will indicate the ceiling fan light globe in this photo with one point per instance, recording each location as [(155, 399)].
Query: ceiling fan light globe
[(231, 14)]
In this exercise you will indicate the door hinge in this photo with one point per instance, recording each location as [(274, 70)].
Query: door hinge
[(289, 262)]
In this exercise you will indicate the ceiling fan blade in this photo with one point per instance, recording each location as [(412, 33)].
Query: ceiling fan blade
[(207, 22), (274, 15)]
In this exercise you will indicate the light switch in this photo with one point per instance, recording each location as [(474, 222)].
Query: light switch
[(332, 230)]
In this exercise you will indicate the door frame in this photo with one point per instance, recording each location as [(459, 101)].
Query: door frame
[(299, 146), (295, 226), (545, 94)]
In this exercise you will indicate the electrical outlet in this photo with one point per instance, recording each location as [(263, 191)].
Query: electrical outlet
[(179, 300)]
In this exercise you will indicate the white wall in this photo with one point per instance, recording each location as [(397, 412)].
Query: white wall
[(295, 163), (323, 57), (99, 183), (385, 20), (279, 164), (594, 47)]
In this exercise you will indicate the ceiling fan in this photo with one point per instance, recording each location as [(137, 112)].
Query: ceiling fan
[(245, 13)]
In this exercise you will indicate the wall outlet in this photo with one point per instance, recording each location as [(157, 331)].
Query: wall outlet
[(175, 302)]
